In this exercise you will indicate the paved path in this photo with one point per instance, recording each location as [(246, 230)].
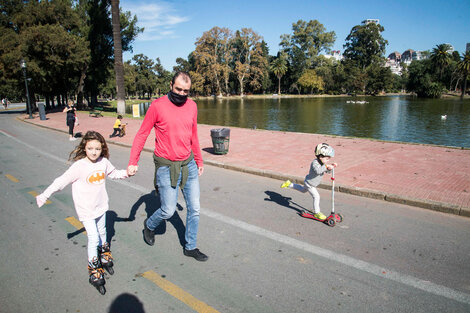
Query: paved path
[(426, 176)]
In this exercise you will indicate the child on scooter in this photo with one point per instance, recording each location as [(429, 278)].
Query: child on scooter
[(318, 167)]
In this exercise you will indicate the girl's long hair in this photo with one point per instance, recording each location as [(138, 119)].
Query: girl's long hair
[(79, 151)]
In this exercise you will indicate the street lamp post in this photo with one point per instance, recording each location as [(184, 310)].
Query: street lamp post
[(28, 103)]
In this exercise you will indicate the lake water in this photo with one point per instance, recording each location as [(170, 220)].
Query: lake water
[(393, 118)]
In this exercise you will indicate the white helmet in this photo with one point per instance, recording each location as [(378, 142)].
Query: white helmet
[(324, 149)]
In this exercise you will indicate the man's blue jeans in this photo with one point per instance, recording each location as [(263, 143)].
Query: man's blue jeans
[(169, 199)]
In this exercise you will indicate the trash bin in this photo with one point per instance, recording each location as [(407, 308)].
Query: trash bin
[(42, 111), (220, 140)]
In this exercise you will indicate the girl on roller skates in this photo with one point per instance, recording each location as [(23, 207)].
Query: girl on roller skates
[(319, 166), (88, 176)]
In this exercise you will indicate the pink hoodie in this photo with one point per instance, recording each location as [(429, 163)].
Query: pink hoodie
[(88, 181)]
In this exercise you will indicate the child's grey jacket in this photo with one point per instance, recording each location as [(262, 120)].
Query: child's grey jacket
[(315, 174)]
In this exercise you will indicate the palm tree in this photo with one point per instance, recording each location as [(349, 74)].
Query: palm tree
[(440, 58), (464, 67), (279, 68), (118, 65)]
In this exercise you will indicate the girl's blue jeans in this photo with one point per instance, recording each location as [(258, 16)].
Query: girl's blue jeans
[(169, 199)]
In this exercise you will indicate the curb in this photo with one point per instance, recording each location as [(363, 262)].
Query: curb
[(367, 193)]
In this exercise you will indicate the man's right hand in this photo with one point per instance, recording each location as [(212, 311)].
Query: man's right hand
[(132, 169)]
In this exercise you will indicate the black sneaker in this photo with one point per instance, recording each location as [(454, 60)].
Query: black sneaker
[(195, 253), (149, 235)]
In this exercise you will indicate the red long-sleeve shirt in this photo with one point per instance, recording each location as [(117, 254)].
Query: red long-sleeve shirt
[(175, 131)]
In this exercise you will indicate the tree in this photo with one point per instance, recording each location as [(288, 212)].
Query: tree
[(379, 79), (100, 36), (209, 55), (163, 78), (420, 80), (305, 44), (197, 82), (182, 65), (118, 66), (279, 68), (464, 67), (146, 81), (130, 78), (440, 58), (310, 80), (365, 45), (248, 57), (47, 36)]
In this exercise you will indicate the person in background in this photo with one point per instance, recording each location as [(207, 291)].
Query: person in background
[(70, 118)]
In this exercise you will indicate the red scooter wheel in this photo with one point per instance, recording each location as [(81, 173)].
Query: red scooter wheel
[(331, 222), (339, 218)]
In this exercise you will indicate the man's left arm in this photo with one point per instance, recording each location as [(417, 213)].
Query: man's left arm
[(195, 147)]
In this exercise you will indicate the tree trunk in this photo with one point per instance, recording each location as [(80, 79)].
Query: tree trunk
[(240, 80), (464, 88), (81, 85), (279, 85), (118, 66)]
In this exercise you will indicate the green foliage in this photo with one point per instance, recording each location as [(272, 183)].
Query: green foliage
[(62, 42), (307, 41), (311, 81), (379, 79), (365, 45), (279, 68), (68, 47), (129, 29), (440, 58), (464, 69), (421, 80)]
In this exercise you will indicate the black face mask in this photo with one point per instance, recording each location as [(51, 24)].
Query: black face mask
[(177, 99)]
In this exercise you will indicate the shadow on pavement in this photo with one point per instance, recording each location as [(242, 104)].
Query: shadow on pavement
[(126, 303), (152, 203), (284, 201)]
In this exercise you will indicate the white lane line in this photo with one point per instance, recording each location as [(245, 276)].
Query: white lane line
[(408, 280), (54, 157)]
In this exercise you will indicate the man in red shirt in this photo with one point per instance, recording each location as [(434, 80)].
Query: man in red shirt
[(177, 157)]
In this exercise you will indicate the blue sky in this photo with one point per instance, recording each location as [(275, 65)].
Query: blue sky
[(172, 27)]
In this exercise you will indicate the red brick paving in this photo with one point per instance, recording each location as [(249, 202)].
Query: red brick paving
[(427, 176)]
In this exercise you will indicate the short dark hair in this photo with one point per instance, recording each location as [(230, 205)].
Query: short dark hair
[(184, 75)]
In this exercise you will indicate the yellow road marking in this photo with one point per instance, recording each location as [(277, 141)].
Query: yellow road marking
[(12, 178), (179, 293), (35, 194), (75, 223)]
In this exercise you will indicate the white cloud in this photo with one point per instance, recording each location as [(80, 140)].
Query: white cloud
[(159, 19)]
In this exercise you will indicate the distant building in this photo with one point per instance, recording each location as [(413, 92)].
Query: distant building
[(407, 56), (335, 55), (395, 66), (396, 56), (370, 20), (418, 55)]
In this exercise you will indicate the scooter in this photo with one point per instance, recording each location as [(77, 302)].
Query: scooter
[(333, 218)]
